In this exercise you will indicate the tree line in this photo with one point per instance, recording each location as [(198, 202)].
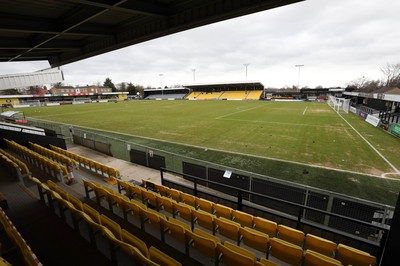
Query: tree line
[(391, 79)]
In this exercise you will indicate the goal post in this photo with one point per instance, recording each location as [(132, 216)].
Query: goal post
[(339, 104), (81, 100), (31, 102)]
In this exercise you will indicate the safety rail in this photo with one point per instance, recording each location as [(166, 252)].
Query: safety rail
[(373, 247)]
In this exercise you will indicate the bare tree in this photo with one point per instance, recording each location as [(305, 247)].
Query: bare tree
[(392, 75)]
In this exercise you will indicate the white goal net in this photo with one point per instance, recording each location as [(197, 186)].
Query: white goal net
[(81, 100), (31, 102), (339, 104)]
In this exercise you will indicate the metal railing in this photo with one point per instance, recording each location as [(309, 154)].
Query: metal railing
[(299, 222)]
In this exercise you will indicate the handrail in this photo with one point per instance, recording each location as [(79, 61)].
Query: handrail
[(299, 220)]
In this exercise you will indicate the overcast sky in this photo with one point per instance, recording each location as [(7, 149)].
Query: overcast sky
[(337, 41)]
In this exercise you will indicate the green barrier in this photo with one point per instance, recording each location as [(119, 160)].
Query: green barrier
[(396, 129)]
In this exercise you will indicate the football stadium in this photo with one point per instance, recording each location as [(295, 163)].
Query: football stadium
[(226, 173)]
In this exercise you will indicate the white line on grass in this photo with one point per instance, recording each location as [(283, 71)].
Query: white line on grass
[(361, 136), (305, 110), (277, 123), (241, 111), (213, 149)]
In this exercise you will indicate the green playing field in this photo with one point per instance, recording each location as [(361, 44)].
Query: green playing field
[(305, 132), (283, 139)]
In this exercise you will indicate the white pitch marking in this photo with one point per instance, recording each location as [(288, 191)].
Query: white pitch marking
[(305, 110)]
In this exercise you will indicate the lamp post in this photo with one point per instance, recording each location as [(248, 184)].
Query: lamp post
[(298, 75), (246, 65), (194, 75)]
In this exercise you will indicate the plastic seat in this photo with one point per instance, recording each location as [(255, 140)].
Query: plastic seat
[(76, 202), (175, 228), (93, 213), (232, 257), (166, 204), (228, 228), (150, 198), (265, 262), (312, 258), (184, 211), (174, 194), (160, 257), (243, 218), (240, 250), (89, 187), (188, 199), (355, 257), (285, 251), (112, 225), (203, 219), (205, 205), (223, 211), (133, 240), (204, 243), (266, 226), (291, 235), (162, 190), (123, 186), (137, 192), (320, 245), (153, 218), (254, 239)]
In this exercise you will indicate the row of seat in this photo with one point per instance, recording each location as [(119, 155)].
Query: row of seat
[(28, 255), (23, 167), (213, 216), (55, 156), (118, 238), (97, 167), (201, 240), (208, 243), (53, 168), (10, 165)]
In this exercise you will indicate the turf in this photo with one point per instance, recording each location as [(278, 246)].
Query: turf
[(303, 132)]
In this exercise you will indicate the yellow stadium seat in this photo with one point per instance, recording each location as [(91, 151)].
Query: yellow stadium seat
[(184, 211), (228, 228), (285, 251), (355, 257), (160, 257), (175, 228), (203, 219), (112, 225), (204, 243), (188, 199), (312, 258), (93, 213), (254, 239), (166, 204), (320, 245), (174, 194), (133, 240), (266, 226), (223, 211), (205, 205), (243, 218), (232, 257), (265, 262), (291, 235)]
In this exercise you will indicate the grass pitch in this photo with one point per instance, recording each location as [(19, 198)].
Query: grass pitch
[(301, 132)]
